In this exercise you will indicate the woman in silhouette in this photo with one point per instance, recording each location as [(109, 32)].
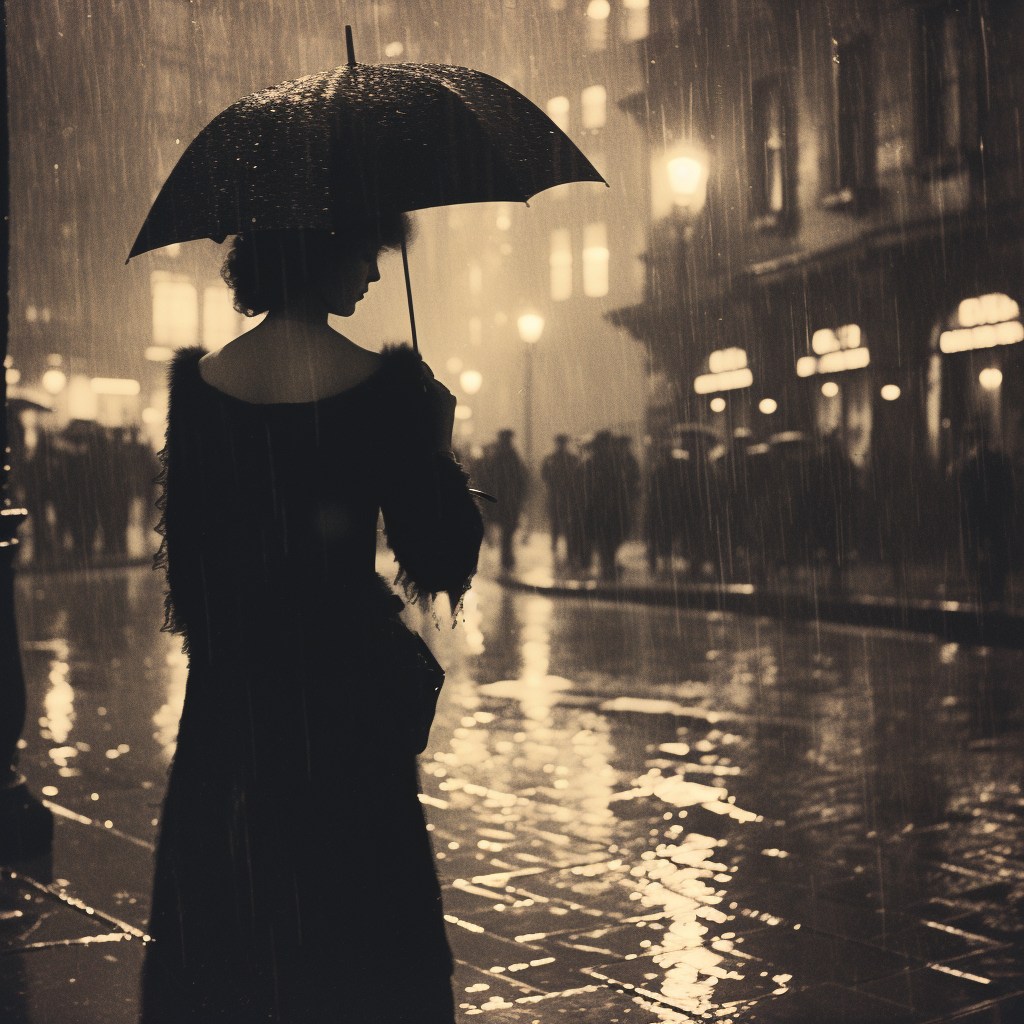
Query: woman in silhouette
[(294, 878)]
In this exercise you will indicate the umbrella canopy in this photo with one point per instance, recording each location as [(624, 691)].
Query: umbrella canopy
[(361, 138)]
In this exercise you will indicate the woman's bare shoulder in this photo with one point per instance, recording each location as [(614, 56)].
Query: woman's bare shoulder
[(270, 370)]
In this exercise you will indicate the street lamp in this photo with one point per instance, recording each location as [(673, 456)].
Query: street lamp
[(531, 327)]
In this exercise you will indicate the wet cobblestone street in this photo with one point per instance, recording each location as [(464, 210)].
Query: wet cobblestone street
[(638, 814)]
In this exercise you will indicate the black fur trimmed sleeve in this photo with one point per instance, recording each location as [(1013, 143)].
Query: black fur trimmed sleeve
[(432, 522), (180, 504)]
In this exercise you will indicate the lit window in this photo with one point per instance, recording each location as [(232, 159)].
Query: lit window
[(767, 170), (597, 16), (220, 320), (175, 309), (558, 111), (595, 260), (561, 264), (594, 100), (637, 24)]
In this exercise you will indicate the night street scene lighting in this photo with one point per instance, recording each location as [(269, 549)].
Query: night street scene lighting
[(580, 443)]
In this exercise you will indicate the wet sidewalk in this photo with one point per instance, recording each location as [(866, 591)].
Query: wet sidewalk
[(937, 601), (639, 814)]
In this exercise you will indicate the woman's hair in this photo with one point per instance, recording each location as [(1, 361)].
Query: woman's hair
[(263, 267)]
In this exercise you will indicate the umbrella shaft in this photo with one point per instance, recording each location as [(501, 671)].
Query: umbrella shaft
[(408, 292)]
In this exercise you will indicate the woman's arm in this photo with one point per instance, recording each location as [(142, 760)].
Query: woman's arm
[(432, 522)]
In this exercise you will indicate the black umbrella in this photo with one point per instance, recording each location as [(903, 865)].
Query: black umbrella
[(348, 143)]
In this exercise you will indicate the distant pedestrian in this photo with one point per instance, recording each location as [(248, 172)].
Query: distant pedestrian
[(985, 483), (579, 528), (558, 471), (42, 482), (609, 476), (662, 507), (117, 490), (503, 473)]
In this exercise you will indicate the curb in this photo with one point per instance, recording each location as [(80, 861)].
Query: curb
[(954, 621)]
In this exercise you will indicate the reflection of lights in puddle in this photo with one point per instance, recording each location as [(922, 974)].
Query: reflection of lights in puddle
[(167, 718), (59, 704)]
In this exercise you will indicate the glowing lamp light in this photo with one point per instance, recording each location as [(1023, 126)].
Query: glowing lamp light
[(531, 327), (708, 383), (13, 375), (806, 366), (767, 406), (727, 359), (890, 392), (684, 175), (463, 412), (981, 336), (54, 381), (718, 405), (599, 9), (159, 353), (395, 49), (830, 389), (990, 378), (470, 381), (987, 309)]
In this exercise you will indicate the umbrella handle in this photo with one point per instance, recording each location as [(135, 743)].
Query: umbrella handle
[(408, 292)]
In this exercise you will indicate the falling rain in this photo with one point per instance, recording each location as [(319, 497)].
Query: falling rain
[(722, 307)]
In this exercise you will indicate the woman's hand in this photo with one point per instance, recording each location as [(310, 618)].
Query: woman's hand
[(440, 412)]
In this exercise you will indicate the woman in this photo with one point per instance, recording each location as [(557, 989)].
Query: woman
[(294, 875)]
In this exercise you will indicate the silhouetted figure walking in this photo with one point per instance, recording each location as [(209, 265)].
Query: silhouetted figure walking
[(611, 483), (295, 878), (41, 481), (985, 483), (504, 474), (579, 528), (558, 471)]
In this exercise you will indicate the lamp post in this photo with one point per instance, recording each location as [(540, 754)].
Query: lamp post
[(531, 327)]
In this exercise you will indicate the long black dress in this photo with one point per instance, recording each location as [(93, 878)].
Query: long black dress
[(294, 875)]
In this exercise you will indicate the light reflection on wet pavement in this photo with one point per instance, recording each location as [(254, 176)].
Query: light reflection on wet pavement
[(638, 815)]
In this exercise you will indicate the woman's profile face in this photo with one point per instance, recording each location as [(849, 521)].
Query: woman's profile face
[(346, 279)]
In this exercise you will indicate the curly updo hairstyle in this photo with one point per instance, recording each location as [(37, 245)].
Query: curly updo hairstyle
[(263, 267)]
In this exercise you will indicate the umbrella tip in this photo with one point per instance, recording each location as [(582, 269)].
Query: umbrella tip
[(349, 45)]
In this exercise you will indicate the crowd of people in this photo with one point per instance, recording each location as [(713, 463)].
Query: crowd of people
[(744, 510), (83, 485), (592, 497)]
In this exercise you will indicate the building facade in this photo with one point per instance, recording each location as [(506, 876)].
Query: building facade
[(853, 266)]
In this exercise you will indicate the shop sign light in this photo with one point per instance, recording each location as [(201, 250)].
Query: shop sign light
[(983, 322), (835, 351), (729, 371), (983, 336)]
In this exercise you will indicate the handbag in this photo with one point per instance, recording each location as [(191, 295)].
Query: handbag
[(417, 669)]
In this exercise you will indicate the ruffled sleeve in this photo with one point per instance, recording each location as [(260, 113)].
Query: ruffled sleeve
[(180, 555), (432, 522)]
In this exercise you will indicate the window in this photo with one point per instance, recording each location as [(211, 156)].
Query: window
[(175, 309), (767, 155), (636, 24), (558, 111), (949, 89), (595, 260), (561, 264), (220, 320), (597, 17), (855, 118), (594, 101)]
